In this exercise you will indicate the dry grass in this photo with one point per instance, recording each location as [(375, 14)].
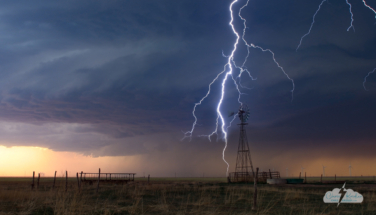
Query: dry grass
[(177, 198)]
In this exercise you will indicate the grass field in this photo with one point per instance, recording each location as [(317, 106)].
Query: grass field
[(176, 196)]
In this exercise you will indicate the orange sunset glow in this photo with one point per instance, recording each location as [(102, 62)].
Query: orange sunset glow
[(22, 161)]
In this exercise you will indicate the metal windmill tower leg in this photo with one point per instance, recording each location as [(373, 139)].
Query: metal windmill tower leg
[(244, 168)]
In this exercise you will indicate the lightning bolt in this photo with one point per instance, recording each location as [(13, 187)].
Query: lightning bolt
[(227, 73), (318, 9), (262, 49), (348, 29), (352, 17), (365, 78), (310, 28), (342, 192), (365, 4)]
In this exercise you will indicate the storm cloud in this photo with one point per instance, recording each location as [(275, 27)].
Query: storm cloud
[(120, 78)]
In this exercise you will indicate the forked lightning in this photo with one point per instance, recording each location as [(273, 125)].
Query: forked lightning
[(224, 75)]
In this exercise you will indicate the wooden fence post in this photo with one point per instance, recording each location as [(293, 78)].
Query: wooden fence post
[(78, 181), (99, 177), (53, 186), (335, 177), (32, 185), (321, 178), (270, 174), (255, 193), (38, 180), (66, 181)]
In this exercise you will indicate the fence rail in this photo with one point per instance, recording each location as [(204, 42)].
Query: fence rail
[(249, 176), (266, 175), (339, 179), (107, 176)]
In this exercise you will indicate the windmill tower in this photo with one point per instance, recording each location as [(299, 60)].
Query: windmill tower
[(350, 168), (244, 168)]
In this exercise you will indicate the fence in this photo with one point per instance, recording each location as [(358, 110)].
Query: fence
[(107, 177), (248, 176), (91, 178), (262, 176), (339, 179)]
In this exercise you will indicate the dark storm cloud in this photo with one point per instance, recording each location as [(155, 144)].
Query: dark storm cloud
[(121, 77), (340, 121), (65, 65), (82, 76)]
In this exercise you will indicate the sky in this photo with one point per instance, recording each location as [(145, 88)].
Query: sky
[(112, 85)]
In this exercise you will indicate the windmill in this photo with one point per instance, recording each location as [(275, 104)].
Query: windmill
[(350, 167), (244, 168), (323, 170)]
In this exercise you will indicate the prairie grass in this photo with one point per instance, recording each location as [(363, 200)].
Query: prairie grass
[(177, 197)]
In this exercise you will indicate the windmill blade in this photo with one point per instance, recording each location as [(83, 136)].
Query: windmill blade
[(244, 113), (232, 113)]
